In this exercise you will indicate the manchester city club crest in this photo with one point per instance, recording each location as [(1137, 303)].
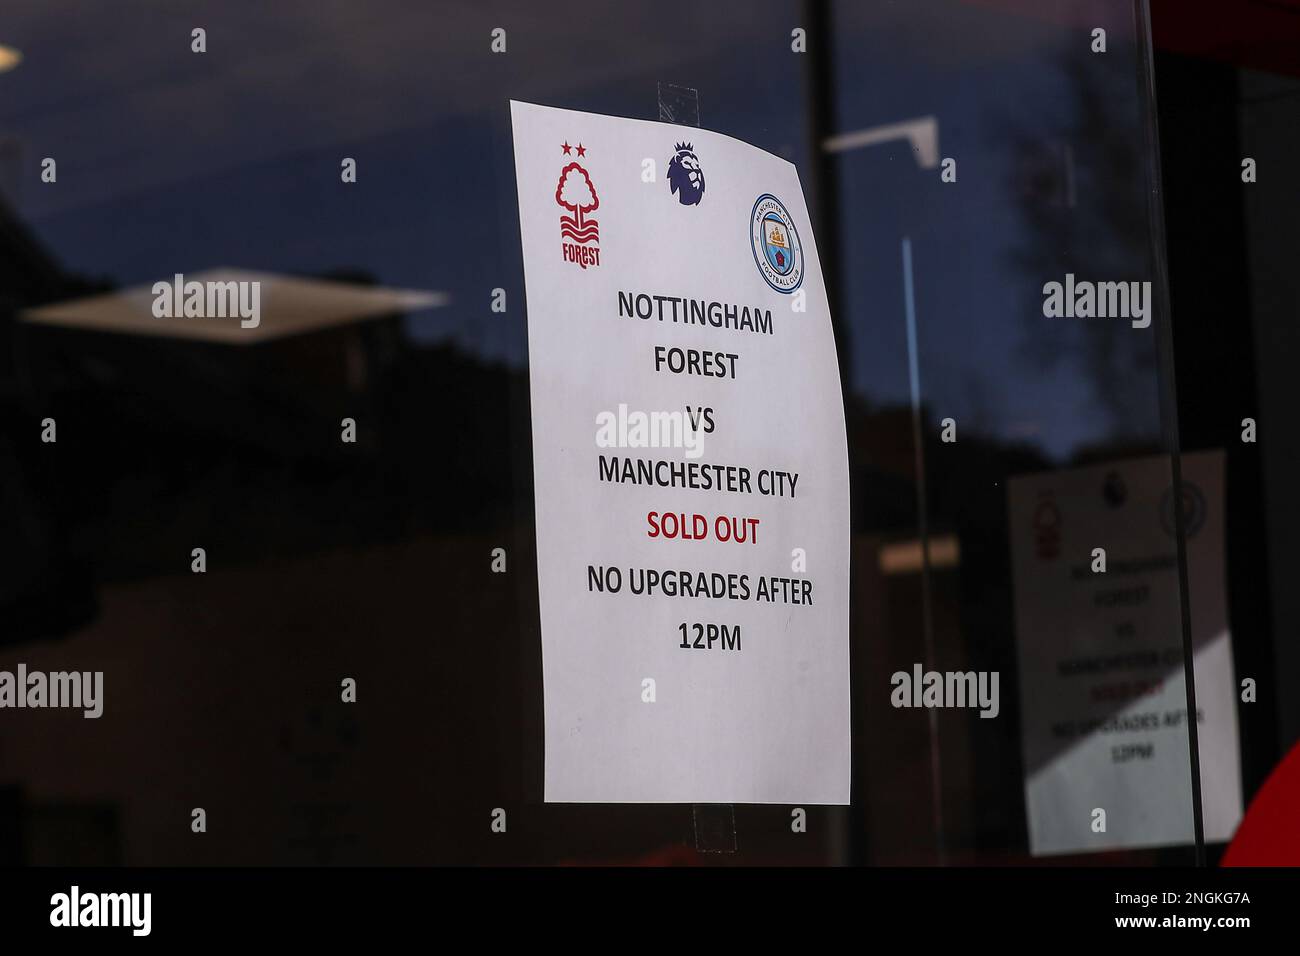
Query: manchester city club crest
[(1192, 500), (775, 241)]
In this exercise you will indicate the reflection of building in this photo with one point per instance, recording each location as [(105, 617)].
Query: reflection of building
[(328, 559), (43, 590)]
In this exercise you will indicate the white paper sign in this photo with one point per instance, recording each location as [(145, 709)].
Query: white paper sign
[(1102, 688), (694, 595)]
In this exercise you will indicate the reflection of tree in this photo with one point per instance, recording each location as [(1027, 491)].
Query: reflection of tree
[(1082, 198)]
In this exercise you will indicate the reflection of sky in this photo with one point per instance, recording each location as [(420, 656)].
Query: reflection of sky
[(171, 161), (978, 73), (174, 162)]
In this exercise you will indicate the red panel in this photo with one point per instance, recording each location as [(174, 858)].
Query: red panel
[(1258, 34), (1269, 834)]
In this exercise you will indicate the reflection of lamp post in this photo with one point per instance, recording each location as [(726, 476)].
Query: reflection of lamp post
[(922, 133), (9, 58)]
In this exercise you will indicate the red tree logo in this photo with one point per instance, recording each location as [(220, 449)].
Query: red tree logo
[(576, 193)]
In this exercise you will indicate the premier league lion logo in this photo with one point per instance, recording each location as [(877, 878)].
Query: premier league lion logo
[(685, 177)]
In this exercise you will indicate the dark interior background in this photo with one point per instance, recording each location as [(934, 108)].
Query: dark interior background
[(372, 560)]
